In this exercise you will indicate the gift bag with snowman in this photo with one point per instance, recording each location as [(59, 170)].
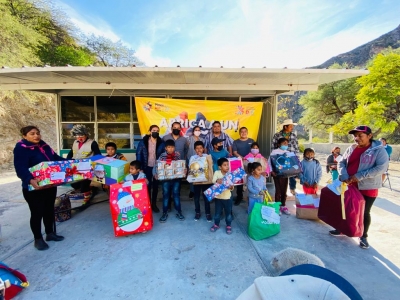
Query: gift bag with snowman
[(130, 208)]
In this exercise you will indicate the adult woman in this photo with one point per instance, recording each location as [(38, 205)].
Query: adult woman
[(331, 163), (148, 151), (83, 147), (195, 137), (362, 165), (28, 152)]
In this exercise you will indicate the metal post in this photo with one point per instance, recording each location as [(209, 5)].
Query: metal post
[(331, 137), (310, 136)]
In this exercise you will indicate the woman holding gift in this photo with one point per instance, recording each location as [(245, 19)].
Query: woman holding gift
[(83, 147), (28, 152)]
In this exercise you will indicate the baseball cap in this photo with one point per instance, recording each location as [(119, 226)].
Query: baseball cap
[(216, 140), (302, 282), (361, 128)]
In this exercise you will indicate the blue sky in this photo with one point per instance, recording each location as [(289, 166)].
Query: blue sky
[(251, 33)]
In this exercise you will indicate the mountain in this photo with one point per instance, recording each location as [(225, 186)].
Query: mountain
[(359, 56)]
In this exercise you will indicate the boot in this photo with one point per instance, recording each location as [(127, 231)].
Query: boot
[(40, 244), (54, 237), (86, 197)]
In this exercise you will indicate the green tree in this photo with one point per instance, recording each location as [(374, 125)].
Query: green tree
[(379, 97), (67, 55)]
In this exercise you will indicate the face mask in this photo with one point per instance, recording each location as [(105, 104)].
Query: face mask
[(255, 151), (176, 131), (308, 158), (220, 148), (283, 147), (155, 134), (197, 133)]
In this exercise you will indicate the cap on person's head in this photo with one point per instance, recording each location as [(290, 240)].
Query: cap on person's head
[(216, 140), (288, 122), (302, 282), (361, 128), (169, 143)]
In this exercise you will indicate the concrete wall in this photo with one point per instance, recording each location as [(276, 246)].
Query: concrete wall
[(326, 148)]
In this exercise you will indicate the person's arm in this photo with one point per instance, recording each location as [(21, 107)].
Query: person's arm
[(342, 166), (389, 150), (57, 157), (177, 156), (319, 173), (139, 152), (70, 154), (234, 150), (251, 186), (301, 175), (21, 165), (274, 141), (381, 165), (296, 144), (95, 148), (215, 177)]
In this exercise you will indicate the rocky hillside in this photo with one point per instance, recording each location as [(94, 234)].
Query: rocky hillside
[(359, 56)]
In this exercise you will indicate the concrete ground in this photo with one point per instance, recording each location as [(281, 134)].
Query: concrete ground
[(179, 260)]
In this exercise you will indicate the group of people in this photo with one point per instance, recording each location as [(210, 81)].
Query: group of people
[(362, 165)]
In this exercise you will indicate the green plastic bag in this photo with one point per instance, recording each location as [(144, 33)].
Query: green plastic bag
[(264, 220)]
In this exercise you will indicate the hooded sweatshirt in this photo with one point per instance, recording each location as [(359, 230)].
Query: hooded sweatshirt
[(27, 154), (373, 163)]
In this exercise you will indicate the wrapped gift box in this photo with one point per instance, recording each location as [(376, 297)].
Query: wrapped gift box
[(307, 206), (234, 164), (108, 170), (230, 178), (199, 169), (171, 171), (60, 172), (130, 207)]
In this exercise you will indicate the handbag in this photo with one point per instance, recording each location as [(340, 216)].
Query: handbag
[(264, 220), (285, 165), (62, 208)]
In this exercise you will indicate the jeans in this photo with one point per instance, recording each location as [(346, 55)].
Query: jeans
[(292, 183), (369, 201), (198, 190), (152, 186), (41, 205), (226, 205), (171, 187), (281, 184)]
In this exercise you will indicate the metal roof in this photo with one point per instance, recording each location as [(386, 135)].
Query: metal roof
[(169, 80)]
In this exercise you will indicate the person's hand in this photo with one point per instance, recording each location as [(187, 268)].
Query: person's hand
[(156, 177), (219, 181), (231, 187), (305, 183), (315, 185), (273, 174), (34, 183), (353, 179), (261, 193)]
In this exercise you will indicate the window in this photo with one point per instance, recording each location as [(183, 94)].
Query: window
[(119, 133), (67, 140), (136, 135), (77, 109), (113, 109)]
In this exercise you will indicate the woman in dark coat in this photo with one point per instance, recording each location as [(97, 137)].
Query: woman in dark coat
[(28, 152), (332, 161)]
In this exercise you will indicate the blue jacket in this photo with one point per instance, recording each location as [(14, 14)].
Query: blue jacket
[(142, 151), (27, 154), (312, 172), (373, 163)]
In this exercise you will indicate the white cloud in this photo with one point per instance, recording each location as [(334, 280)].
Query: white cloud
[(145, 54)]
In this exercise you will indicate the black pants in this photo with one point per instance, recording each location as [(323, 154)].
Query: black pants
[(369, 201), (41, 205), (83, 185), (281, 185), (239, 192), (152, 186)]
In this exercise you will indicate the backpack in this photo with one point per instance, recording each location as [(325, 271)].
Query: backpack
[(17, 281)]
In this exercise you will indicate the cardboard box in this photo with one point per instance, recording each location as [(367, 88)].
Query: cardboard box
[(307, 206), (60, 172), (108, 170), (177, 169), (130, 208)]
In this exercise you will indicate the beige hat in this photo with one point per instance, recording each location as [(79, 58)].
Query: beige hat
[(288, 122), (292, 287)]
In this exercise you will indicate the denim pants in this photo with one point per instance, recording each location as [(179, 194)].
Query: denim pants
[(292, 183), (198, 190), (152, 186), (171, 187), (226, 205)]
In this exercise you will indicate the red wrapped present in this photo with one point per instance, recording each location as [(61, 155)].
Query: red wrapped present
[(130, 207)]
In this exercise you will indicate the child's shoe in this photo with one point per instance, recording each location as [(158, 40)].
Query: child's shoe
[(228, 230), (208, 217), (164, 217), (285, 210), (179, 216), (197, 216), (214, 228)]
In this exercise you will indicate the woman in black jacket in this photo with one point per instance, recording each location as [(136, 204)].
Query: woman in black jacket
[(28, 152), (332, 161)]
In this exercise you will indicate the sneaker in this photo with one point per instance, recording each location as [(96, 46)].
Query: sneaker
[(208, 217), (293, 192), (285, 210), (180, 217), (191, 195), (336, 233), (364, 243), (197, 217), (164, 217)]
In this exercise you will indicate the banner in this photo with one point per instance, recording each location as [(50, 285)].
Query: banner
[(232, 115)]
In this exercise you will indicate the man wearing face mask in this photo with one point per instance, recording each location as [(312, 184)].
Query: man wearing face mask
[(241, 147), (148, 151), (293, 145)]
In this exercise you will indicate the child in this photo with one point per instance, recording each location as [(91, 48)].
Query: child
[(170, 186), (135, 172), (256, 185), (111, 149), (312, 172), (218, 152), (223, 201), (200, 188), (254, 153), (281, 183)]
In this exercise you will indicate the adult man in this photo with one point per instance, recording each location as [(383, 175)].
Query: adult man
[(389, 151), (293, 145), (241, 147), (216, 132)]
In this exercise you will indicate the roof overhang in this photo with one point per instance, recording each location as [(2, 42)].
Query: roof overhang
[(136, 80)]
